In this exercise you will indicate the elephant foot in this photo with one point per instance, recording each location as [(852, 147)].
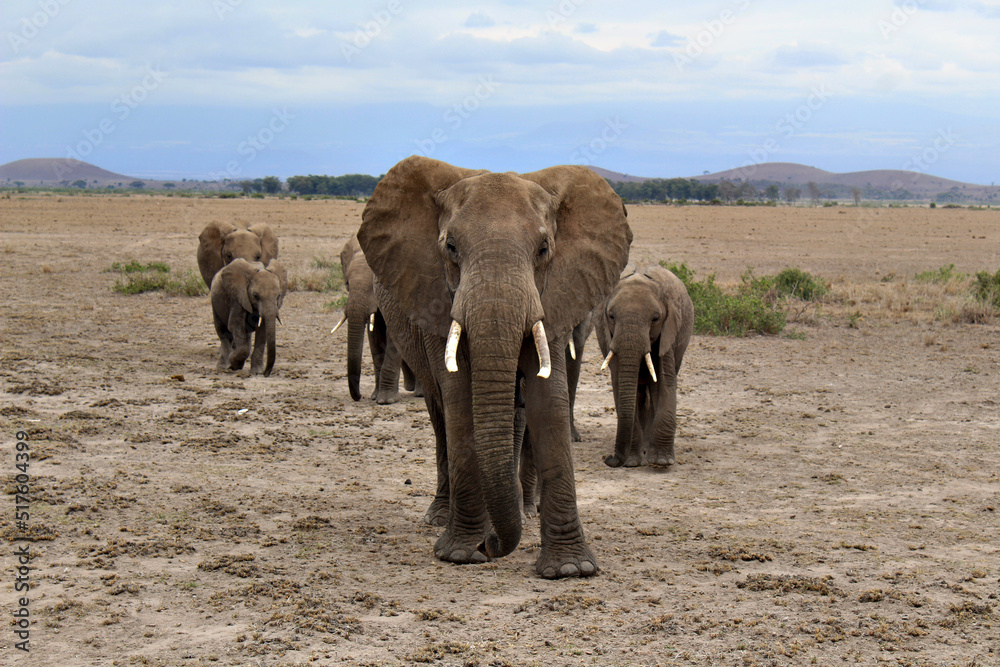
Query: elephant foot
[(575, 433), (386, 398), (418, 390), (437, 513), (530, 510), (663, 457), (572, 560), (616, 460), (453, 550)]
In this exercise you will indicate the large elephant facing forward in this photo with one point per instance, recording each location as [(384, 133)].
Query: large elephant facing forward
[(481, 276), (222, 242), (644, 329)]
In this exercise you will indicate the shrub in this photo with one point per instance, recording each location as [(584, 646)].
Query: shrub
[(136, 278), (941, 276), (987, 288), (720, 314), (789, 282)]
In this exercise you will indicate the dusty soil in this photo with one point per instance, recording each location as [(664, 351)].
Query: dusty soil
[(835, 498)]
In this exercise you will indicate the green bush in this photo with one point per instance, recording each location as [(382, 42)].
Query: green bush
[(987, 288), (136, 278), (719, 314), (941, 276), (333, 280), (789, 282)]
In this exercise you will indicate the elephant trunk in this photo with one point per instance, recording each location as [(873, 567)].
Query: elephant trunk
[(356, 327), (506, 309), (270, 335), (494, 353), (628, 387)]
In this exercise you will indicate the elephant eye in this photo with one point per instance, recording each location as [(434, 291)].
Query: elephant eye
[(229, 256), (452, 247), (543, 250), (611, 316), (258, 258), (656, 318)]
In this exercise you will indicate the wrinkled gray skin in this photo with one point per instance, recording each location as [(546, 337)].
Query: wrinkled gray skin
[(222, 242), (246, 298), (648, 311), (522, 437), (495, 253), (360, 307)]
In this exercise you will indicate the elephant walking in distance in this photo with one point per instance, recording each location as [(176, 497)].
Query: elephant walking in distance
[(481, 278), (246, 297), (644, 329), (222, 242), (361, 313)]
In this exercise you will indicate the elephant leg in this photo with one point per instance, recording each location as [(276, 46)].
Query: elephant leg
[(410, 381), (468, 520), (437, 513), (664, 427), (388, 378), (572, 379), (241, 340), (225, 342), (527, 471), (564, 552), (377, 343)]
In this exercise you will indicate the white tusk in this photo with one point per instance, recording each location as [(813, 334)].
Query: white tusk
[(371, 322), (572, 350), (542, 347), (451, 348), (339, 324), (607, 360), (649, 365)]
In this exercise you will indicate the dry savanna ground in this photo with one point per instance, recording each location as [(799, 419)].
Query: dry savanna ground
[(835, 499)]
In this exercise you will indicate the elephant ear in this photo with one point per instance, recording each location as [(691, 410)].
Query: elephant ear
[(236, 281), (275, 267), (669, 289), (399, 237), (210, 248), (591, 244), (347, 254), (268, 241)]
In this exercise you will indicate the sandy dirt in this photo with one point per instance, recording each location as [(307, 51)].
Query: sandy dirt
[(835, 499)]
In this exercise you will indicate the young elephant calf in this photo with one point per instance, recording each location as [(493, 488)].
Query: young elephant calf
[(246, 298), (644, 329)]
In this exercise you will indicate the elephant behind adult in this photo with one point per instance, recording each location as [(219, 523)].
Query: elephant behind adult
[(468, 265), (222, 242), (246, 297), (362, 314), (644, 329)]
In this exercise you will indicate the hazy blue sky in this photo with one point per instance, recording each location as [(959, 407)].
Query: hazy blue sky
[(244, 88)]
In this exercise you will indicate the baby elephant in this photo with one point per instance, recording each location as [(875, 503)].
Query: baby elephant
[(246, 297), (644, 330)]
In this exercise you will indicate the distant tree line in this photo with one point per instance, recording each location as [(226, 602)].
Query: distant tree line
[(349, 185), (666, 189)]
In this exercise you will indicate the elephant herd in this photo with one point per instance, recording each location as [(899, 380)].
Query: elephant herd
[(481, 288)]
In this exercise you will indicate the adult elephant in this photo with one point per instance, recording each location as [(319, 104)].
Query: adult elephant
[(469, 265), (644, 329), (222, 242), (362, 314)]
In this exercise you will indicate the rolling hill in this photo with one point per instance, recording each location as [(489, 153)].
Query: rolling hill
[(56, 171)]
